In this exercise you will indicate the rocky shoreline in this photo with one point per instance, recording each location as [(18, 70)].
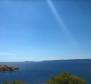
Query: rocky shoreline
[(6, 68)]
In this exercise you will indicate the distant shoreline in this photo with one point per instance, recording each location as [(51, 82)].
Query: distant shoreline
[(48, 60)]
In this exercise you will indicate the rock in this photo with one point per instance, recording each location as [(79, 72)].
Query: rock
[(4, 68)]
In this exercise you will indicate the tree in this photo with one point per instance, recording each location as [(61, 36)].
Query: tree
[(66, 78)]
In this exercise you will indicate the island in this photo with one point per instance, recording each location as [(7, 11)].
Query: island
[(6, 68)]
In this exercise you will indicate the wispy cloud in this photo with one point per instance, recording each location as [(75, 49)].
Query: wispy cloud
[(60, 21), (62, 26)]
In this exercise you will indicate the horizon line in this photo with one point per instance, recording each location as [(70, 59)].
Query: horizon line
[(48, 60)]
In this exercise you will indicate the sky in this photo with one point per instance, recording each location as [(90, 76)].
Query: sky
[(45, 30)]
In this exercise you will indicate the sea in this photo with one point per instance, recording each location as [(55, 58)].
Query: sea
[(40, 72)]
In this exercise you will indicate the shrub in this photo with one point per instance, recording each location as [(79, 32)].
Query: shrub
[(66, 78)]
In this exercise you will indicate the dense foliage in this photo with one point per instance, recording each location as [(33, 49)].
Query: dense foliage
[(66, 78), (13, 82)]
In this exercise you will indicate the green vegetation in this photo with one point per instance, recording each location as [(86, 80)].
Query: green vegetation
[(5, 82), (66, 78), (13, 82), (18, 82)]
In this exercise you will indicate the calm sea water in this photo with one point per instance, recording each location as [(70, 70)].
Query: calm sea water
[(40, 72)]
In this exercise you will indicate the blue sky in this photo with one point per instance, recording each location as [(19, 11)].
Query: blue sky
[(45, 30)]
